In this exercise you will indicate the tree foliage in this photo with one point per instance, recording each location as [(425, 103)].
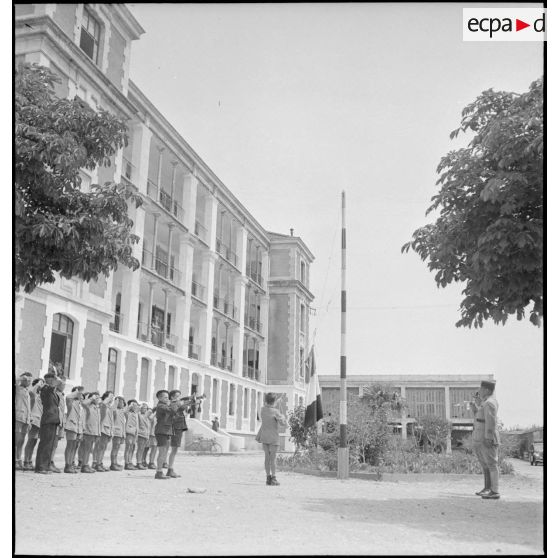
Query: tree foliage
[(302, 436), (59, 227), (489, 233), (434, 430)]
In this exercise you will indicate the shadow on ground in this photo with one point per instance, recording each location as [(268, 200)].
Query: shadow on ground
[(456, 517)]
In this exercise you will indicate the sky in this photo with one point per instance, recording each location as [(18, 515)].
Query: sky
[(289, 104)]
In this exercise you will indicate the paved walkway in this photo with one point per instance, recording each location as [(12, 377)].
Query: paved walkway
[(131, 513)]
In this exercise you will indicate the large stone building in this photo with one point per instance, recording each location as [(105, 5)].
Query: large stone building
[(219, 305), (442, 395)]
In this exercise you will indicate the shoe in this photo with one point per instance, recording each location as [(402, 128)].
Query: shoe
[(483, 491), (87, 469), (76, 469), (129, 467), (69, 469), (116, 467), (80, 464), (491, 495), (43, 472), (140, 466), (165, 465), (99, 468), (172, 474), (18, 466), (144, 463), (28, 466), (268, 481), (159, 476), (273, 481), (54, 468), (152, 466)]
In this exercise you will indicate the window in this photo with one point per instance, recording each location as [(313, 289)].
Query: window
[(144, 377), (172, 377), (232, 391), (303, 273), (61, 342), (246, 401), (90, 35), (111, 372), (301, 364), (302, 318)]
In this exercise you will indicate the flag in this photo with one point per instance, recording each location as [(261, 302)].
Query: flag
[(313, 398)]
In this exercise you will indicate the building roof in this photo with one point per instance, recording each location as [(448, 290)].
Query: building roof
[(287, 239), (405, 378)]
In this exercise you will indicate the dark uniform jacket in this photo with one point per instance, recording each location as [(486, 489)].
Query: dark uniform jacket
[(164, 415), (50, 400)]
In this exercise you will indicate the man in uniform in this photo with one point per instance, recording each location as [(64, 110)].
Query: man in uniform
[(486, 438)]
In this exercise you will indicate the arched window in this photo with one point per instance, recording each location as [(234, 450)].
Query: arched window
[(61, 342), (111, 370)]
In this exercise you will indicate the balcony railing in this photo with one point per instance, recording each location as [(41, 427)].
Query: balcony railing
[(225, 251), (225, 306), (251, 372), (156, 336), (194, 351), (223, 362), (161, 267), (117, 322), (252, 323), (460, 411), (198, 291), (256, 277), (200, 231), (213, 359), (165, 200)]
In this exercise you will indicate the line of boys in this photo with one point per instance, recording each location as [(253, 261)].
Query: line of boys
[(89, 422)]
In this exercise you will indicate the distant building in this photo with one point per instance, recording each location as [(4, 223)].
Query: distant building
[(442, 395), (217, 296)]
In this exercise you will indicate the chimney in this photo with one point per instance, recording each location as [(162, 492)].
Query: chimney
[(292, 231)]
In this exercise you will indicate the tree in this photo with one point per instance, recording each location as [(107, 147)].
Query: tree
[(434, 430), (489, 233), (59, 227), (303, 437)]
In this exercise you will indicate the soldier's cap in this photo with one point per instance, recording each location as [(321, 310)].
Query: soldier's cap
[(491, 384)]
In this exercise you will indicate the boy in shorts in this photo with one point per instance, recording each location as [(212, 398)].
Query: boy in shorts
[(143, 436), (178, 427), (91, 428), (73, 427), (119, 432), (152, 440), (36, 412), (107, 422)]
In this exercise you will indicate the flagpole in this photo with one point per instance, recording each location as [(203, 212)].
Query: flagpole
[(343, 451)]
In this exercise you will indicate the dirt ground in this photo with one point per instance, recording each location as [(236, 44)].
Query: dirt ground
[(130, 513)]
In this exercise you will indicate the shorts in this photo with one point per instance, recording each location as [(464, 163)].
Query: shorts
[(176, 439), (60, 432), (131, 439), (152, 441), (117, 440), (71, 435), (163, 440), (33, 432), (21, 427)]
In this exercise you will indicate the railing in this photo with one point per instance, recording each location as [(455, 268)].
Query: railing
[(222, 361), (161, 267), (251, 372), (198, 291), (252, 323), (194, 351), (117, 322), (459, 410), (225, 251), (213, 359), (223, 305), (256, 277), (156, 336), (165, 200), (200, 231)]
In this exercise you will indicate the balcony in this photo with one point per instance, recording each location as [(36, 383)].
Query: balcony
[(194, 351), (156, 336), (198, 291), (117, 322), (256, 277), (252, 323), (222, 361), (226, 307), (225, 251), (160, 267), (164, 199), (200, 231), (251, 372)]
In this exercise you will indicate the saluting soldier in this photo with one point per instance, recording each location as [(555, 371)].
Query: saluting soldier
[(486, 438)]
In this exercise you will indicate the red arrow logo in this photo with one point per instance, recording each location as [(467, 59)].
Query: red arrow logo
[(519, 25)]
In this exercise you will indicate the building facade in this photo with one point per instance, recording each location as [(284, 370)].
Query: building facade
[(442, 395), (200, 314)]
